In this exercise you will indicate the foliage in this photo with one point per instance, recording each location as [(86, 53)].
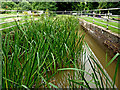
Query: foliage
[(60, 6), (8, 5), (44, 5), (25, 6)]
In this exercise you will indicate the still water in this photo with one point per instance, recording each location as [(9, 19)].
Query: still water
[(61, 79), (100, 52)]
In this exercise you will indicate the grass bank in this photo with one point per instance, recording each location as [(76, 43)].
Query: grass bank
[(90, 19)]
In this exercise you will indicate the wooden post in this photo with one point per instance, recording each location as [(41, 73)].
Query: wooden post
[(108, 19), (17, 18), (99, 14), (63, 12), (93, 16), (33, 15), (17, 13), (81, 13), (0, 60)]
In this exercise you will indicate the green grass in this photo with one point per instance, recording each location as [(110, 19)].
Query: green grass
[(12, 19), (90, 19), (5, 15), (114, 17), (49, 45)]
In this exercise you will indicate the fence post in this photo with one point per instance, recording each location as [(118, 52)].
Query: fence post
[(108, 19), (99, 14), (33, 15), (81, 13), (17, 13), (93, 16), (62, 12), (0, 60), (17, 18), (70, 13)]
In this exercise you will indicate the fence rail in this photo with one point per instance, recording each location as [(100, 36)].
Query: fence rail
[(103, 9), (14, 21), (11, 26), (107, 16), (14, 16)]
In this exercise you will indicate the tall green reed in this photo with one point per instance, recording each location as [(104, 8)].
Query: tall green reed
[(99, 78), (39, 47)]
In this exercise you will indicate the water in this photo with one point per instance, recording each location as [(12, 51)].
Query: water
[(100, 52), (61, 78)]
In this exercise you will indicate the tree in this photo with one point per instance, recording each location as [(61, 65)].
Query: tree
[(8, 5), (25, 5), (102, 5), (44, 5), (62, 6)]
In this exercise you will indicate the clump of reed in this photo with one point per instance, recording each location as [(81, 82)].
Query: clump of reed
[(39, 47)]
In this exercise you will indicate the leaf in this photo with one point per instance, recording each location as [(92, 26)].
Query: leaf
[(117, 66), (53, 85), (112, 59), (25, 87)]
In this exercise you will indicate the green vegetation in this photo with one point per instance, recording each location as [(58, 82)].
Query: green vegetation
[(35, 51), (90, 19), (59, 6), (40, 47), (49, 45)]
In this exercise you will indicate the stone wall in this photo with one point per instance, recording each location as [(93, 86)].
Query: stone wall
[(106, 37)]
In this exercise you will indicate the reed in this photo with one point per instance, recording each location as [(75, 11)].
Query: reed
[(49, 45), (39, 47), (99, 79)]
